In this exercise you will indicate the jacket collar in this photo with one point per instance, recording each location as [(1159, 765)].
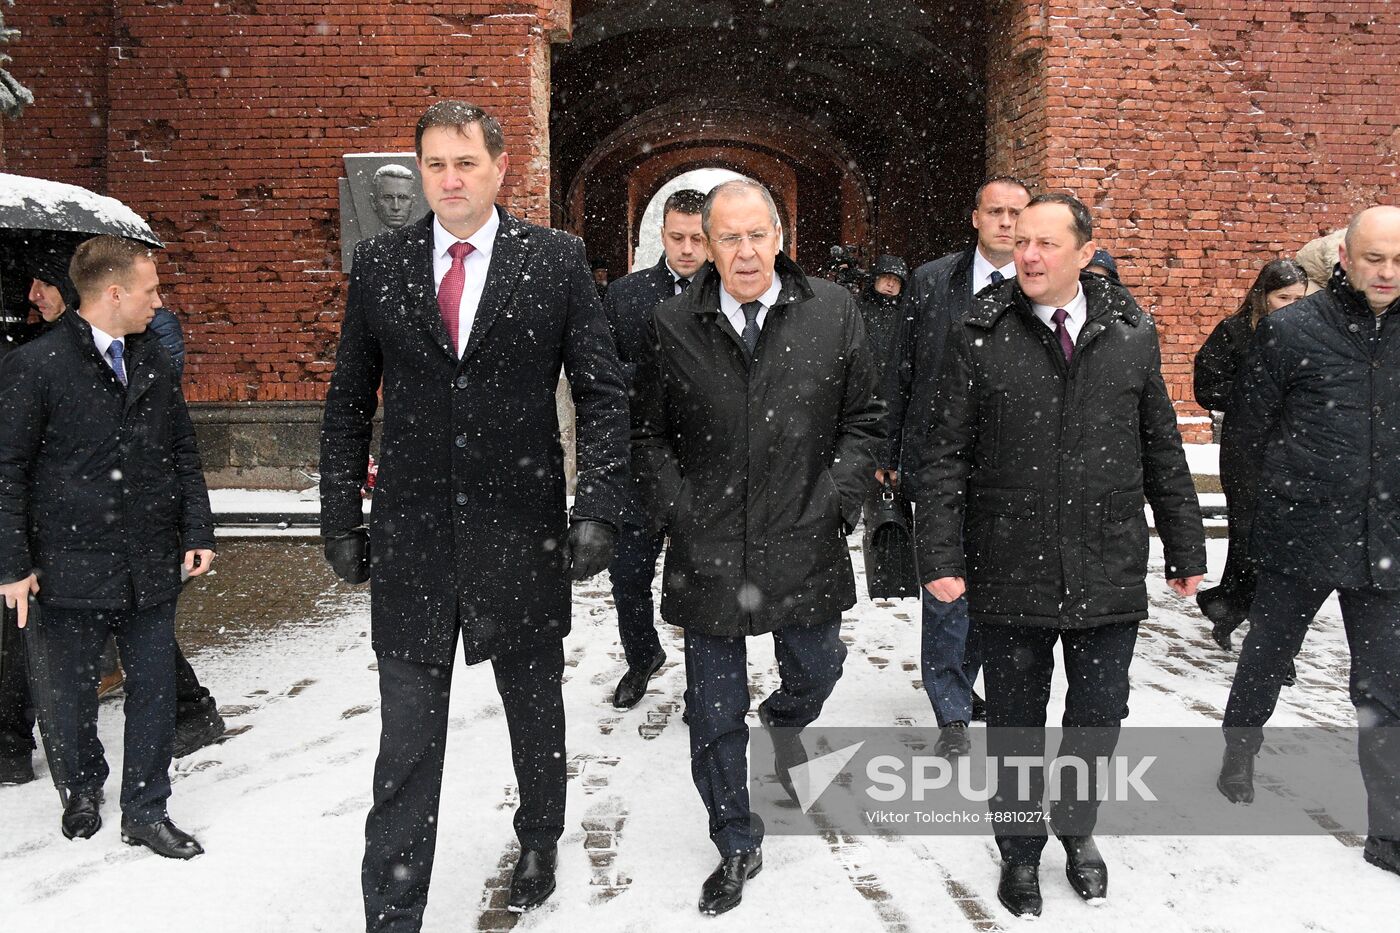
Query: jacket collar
[(138, 370), (1353, 300), (1107, 301), (703, 295)]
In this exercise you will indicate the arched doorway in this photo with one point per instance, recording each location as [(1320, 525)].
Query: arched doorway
[(866, 120)]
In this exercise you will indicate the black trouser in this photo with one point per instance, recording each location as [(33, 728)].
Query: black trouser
[(1018, 663), (73, 640), (717, 699), (16, 712), (1284, 606), (401, 832), (631, 571)]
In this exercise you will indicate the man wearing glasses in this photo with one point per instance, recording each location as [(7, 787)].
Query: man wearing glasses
[(754, 427)]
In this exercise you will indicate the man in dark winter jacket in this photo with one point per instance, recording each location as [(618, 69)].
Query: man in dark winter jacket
[(101, 493), (628, 305), (881, 310), (942, 293), (1051, 423), (1316, 414), (753, 434), (197, 720)]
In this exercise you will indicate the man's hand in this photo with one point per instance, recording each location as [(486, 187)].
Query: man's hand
[(881, 476), (348, 554), (1185, 586), (17, 597), (589, 548), (197, 561), (947, 589)]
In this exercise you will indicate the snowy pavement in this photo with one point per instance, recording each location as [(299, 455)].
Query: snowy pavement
[(281, 806)]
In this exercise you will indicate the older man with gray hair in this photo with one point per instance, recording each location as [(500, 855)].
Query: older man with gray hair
[(754, 428)]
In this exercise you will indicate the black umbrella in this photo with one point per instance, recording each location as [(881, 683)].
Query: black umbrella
[(29, 204)]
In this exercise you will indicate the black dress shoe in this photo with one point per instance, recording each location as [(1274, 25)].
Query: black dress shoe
[(532, 882), (1019, 890), (1382, 853), (1236, 779), (952, 741), (163, 838), (979, 708), (17, 768), (788, 751), (82, 816), (197, 723), (724, 889), (633, 685), (1085, 868)]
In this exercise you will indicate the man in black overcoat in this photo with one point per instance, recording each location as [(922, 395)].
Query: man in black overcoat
[(1050, 425), (753, 432), (1316, 415), (102, 499), (465, 319), (628, 304)]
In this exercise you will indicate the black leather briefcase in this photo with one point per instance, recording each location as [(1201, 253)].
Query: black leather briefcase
[(888, 545)]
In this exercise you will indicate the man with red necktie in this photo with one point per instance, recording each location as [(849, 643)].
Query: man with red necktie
[(1050, 424), (465, 318)]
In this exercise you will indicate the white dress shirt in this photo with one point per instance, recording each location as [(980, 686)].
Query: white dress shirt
[(733, 308), (982, 271), (475, 265), (1077, 309), (103, 341), (676, 280)]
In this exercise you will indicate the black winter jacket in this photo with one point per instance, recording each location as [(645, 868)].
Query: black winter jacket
[(1032, 483), (757, 469), (1316, 413), (101, 490)]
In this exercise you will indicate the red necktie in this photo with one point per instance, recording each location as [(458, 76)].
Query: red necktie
[(1066, 345), (450, 291)]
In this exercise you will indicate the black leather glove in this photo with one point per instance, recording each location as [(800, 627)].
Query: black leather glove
[(589, 548), (348, 554)]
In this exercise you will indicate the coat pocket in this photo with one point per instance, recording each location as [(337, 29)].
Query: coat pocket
[(1002, 529), (1124, 539)]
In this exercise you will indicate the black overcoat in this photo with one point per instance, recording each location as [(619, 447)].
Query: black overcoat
[(101, 489), (469, 512), (1316, 413), (1032, 483), (939, 295), (757, 469)]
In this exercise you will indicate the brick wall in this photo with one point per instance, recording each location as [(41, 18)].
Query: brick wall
[(227, 125), (1212, 135), (61, 55)]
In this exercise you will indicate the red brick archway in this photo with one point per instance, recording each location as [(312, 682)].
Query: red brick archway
[(824, 200)]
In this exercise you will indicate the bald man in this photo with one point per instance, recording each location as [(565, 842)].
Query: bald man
[(1317, 413)]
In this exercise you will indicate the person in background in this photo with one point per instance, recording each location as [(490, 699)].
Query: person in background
[(1280, 283), (1102, 264)]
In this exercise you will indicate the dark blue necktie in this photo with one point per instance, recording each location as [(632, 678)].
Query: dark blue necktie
[(996, 277), (751, 310), (118, 364)]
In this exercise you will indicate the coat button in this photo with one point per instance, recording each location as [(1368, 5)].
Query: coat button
[(1353, 327), (461, 382), (461, 498), (461, 440)]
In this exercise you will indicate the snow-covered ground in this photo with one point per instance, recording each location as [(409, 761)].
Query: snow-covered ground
[(280, 808)]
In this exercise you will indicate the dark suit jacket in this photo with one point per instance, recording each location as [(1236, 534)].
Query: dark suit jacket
[(939, 295), (629, 302), (469, 513)]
